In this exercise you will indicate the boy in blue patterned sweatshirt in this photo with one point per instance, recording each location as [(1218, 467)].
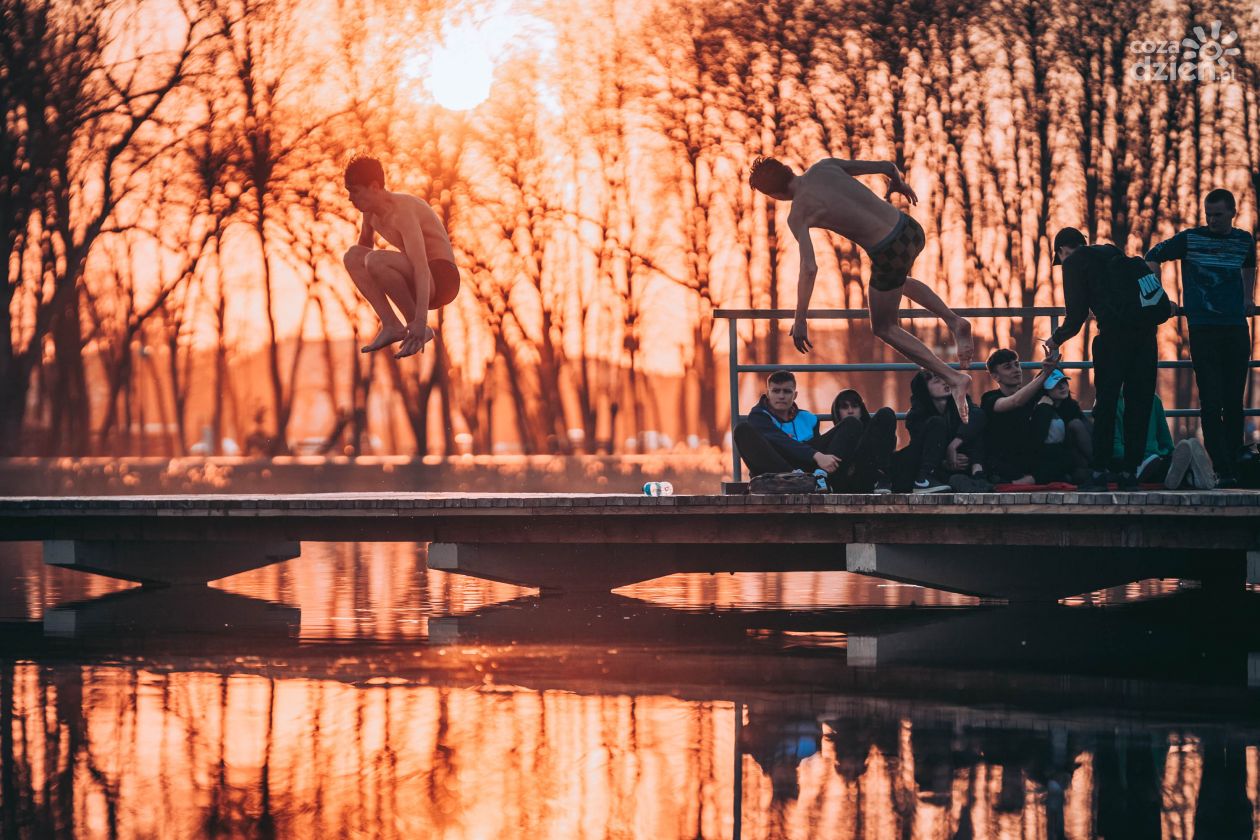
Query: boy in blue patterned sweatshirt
[(1218, 274)]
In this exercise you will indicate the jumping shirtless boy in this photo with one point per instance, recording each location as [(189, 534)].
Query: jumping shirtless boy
[(828, 196), (419, 276)]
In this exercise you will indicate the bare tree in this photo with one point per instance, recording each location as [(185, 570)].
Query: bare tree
[(79, 134)]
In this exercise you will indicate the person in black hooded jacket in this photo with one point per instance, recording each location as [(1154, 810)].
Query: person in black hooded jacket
[(942, 446), (864, 442)]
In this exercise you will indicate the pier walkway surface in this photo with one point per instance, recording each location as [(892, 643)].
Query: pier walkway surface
[(1012, 546)]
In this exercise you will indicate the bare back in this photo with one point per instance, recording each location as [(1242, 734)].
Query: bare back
[(826, 196), (437, 244)]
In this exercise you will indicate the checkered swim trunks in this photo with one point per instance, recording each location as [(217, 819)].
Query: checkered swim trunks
[(892, 257)]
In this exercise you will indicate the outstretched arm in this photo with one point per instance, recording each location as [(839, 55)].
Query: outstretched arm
[(1028, 391), (804, 286), (868, 167), (896, 182)]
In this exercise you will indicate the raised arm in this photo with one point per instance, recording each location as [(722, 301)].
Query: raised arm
[(804, 284), (1028, 391)]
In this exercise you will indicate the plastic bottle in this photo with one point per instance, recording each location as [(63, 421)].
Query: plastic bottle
[(658, 488), (821, 477)]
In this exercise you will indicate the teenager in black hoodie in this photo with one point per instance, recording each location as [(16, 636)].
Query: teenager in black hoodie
[(944, 452), (864, 442)]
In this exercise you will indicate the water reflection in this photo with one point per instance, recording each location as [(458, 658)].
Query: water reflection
[(415, 704)]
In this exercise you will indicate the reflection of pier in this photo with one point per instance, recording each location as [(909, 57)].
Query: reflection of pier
[(1067, 542), (1170, 658), (1120, 741), (172, 611)]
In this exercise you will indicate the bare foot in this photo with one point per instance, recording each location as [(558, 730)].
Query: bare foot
[(384, 338), (960, 387), (962, 337), (411, 345)]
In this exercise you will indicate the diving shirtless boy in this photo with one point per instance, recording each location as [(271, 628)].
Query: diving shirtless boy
[(828, 196), (419, 276)]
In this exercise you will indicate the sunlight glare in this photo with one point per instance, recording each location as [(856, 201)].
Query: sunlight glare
[(461, 70)]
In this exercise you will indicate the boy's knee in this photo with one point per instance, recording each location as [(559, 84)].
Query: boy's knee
[(374, 261), (356, 257), (885, 417), (881, 327)]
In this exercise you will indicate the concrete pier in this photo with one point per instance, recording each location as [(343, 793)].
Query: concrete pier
[(1011, 546)]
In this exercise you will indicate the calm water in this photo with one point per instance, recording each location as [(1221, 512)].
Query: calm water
[(352, 693)]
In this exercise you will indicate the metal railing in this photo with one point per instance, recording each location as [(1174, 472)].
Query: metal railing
[(1054, 313)]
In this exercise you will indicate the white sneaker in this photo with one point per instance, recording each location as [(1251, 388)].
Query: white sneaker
[(1202, 474), (1178, 465)]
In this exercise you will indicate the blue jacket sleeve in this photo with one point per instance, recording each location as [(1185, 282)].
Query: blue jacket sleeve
[(793, 450)]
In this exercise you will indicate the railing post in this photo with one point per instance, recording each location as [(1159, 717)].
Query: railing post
[(732, 358)]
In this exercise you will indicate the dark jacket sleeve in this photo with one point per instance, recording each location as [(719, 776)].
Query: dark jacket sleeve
[(1169, 249), (915, 418), (793, 450), (1076, 270), (1070, 410)]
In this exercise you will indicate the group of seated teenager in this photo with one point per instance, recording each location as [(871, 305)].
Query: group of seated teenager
[(1023, 433)]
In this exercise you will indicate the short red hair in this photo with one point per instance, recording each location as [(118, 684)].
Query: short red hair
[(364, 170)]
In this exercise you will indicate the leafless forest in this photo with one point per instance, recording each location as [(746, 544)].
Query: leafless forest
[(173, 216)]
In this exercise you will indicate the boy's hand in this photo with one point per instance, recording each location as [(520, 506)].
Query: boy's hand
[(897, 184), (800, 335), (414, 341), (954, 459), (826, 461)]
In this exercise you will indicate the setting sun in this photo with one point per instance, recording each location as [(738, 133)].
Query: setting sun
[(460, 71)]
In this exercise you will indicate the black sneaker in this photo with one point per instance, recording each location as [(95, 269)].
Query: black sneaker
[(883, 487), (1127, 481), (1097, 483), (969, 484), (1227, 482), (929, 484)]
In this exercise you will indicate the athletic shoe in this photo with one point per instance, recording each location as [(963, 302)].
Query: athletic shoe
[(1202, 474), (1229, 482), (1178, 465), (1127, 481), (1097, 483), (969, 484), (929, 484), (883, 487)]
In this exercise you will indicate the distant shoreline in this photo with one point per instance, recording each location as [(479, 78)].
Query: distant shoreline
[(689, 473)]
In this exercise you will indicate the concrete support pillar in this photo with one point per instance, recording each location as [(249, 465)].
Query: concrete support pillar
[(166, 563)]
